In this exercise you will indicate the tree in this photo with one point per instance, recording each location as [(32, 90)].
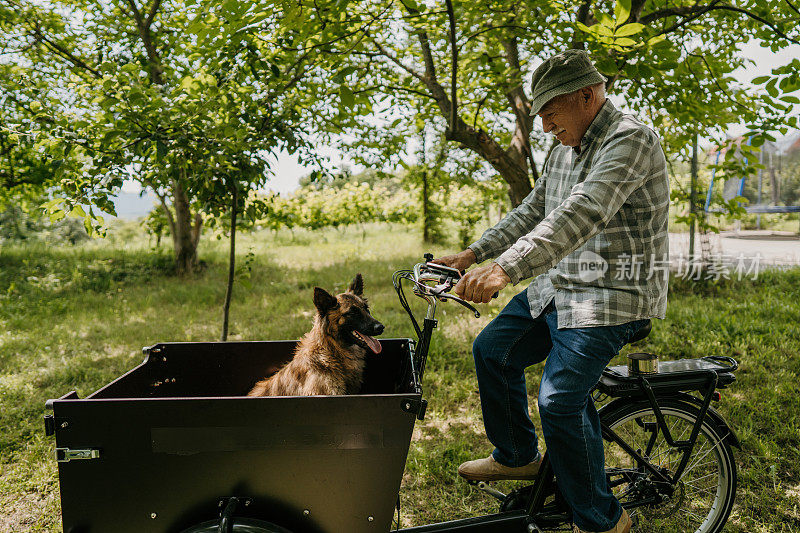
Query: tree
[(461, 67), (24, 169), (145, 92)]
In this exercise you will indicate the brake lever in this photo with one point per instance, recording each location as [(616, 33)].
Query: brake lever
[(462, 302)]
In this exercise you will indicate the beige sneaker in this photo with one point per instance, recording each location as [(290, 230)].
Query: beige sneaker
[(490, 470), (623, 526)]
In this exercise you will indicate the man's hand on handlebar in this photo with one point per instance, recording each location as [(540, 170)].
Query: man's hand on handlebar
[(460, 261), (480, 284)]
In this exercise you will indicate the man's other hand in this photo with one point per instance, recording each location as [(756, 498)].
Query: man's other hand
[(480, 284), (460, 261)]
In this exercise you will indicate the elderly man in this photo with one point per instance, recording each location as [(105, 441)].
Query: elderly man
[(593, 234)]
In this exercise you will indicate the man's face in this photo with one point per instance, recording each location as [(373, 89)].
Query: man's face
[(565, 117)]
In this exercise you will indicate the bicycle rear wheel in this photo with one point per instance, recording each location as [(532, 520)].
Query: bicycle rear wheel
[(702, 499)]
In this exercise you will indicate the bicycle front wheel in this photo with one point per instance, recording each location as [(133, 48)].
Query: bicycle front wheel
[(702, 499)]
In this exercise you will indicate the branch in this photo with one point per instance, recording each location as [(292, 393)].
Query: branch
[(759, 19), (676, 11), (696, 11), (471, 36), (453, 65), (397, 62), (63, 52), (793, 7), (427, 55), (136, 14), (395, 88), (152, 14), (583, 15), (164, 205), (716, 80), (477, 111)]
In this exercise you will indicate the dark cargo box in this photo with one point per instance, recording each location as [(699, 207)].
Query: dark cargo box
[(161, 448)]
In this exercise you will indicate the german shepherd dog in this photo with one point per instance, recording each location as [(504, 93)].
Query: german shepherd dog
[(329, 359)]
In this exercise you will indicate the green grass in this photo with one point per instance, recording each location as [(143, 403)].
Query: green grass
[(75, 318)]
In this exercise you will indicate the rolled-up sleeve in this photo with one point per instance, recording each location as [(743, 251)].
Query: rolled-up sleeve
[(518, 222), (623, 167)]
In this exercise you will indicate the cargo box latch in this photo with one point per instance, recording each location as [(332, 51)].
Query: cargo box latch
[(418, 407), (65, 455)]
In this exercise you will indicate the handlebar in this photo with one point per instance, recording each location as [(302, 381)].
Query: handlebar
[(432, 280)]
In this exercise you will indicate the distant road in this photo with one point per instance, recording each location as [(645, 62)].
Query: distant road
[(776, 248)]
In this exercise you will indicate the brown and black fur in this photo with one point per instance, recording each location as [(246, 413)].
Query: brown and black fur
[(329, 359)]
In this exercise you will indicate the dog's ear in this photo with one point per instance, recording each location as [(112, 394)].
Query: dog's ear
[(357, 285), (324, 301)]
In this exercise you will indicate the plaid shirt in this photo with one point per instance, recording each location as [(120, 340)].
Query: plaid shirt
[(593, 231)]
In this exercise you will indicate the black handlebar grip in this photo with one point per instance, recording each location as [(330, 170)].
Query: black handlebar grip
[(428, 257)]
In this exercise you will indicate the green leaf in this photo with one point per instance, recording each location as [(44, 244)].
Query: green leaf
[(348, 98), (629, 29), (760, 79), (656, 40), (77, 211), (624, 41), (622, 10), (771, 89), (605, 20), (791, 99), (161, 150), (603, 30), (51, 204), (606, 66)]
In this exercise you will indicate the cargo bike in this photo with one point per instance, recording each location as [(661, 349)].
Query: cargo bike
[(174, 445)]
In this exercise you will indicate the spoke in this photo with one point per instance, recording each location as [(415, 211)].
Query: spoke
[(693, 514), (697, 461), (707, 475), (699, 488)]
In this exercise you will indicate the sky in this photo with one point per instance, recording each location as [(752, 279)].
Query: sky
[(288, 171)]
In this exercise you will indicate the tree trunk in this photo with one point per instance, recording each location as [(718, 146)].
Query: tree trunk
[(512, 168), (426, 211), (426, 218), (231, 269), (186, 234)]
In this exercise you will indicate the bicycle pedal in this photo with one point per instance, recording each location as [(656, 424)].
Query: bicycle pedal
[(484, 487)]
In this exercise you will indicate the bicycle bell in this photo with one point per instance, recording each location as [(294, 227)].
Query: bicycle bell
[(642, 363)]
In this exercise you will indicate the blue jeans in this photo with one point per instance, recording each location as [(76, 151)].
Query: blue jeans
[(575, 359)]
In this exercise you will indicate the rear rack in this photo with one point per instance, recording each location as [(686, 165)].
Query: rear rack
[(672, 377)]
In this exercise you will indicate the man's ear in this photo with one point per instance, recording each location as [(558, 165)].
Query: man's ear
[(357, 285), (586, 94), (324, 301)]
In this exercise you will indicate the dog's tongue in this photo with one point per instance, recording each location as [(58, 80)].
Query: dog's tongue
[(374, 344)]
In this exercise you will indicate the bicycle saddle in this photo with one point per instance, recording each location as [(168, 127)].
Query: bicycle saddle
[(643, 332)]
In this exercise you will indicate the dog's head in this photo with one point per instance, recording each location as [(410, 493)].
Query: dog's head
[(348, 317)]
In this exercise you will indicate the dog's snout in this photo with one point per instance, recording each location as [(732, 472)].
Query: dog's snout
[(377, 328)]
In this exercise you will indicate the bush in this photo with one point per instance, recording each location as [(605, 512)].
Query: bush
[(18, 225)]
